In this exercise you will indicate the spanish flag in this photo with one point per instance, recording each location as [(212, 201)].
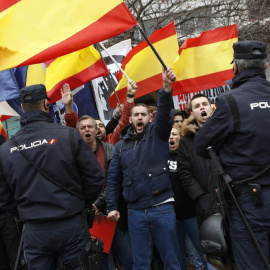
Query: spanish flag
[(142, 65), (76, 69), (204, 62), (35, 31), (2, 130)]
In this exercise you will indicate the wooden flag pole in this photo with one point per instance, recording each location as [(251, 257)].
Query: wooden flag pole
[(152, 47)]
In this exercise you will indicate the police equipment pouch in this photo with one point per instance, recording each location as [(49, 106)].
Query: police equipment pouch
[(256, 193), (91, 259), (90, 215)]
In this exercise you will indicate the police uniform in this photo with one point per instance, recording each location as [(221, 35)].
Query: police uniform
[(53, 223), (239, 132)]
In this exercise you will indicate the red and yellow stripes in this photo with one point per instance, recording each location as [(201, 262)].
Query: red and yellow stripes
[(204, 62), (52, 141), (2, 130), (76, 69), (143, 67), (35, 31)]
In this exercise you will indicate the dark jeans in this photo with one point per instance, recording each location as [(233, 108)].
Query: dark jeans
[(245, 254), (157, 224), (48, 241), (190, 227), (121, 249), (9, 242)]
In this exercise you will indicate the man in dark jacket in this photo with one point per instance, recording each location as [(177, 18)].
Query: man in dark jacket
[(139, 165), (198, 174), (238, 130), (51, 193), (9, 236), (103, 151)]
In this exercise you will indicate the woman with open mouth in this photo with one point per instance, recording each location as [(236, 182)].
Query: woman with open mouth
[(184, 210)]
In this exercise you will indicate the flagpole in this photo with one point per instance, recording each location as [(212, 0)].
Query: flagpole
[(124, 73), (152, 47), (118, 101)]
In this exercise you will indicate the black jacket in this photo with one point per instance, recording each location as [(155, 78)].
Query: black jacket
[(184, 207), (100, 202), (50, 147), (198, 174), (241, 135)]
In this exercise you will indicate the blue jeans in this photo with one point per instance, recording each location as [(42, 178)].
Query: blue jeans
[(121, 249), (157, 224), (190, 227), (193, 255)]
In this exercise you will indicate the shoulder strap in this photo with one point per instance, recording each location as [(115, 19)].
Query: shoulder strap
[(235, 114), (43, 173)]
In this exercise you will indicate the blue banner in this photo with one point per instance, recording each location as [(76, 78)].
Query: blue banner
[(83, 104)]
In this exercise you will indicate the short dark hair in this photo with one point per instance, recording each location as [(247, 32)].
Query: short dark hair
[(33, 106), (139, 105), (198, 96), (179, 113)]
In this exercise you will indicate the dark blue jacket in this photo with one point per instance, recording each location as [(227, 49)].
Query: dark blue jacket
[(140, 167), (49, 146), (241, 138)]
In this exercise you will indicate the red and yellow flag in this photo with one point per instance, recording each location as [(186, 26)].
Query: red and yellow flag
[(76, 69), (35, 31), (2, 130), (143, 67), (204, 62)]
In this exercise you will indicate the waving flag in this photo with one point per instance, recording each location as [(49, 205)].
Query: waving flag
[(8, 86), (76, 69), (104, 86), (143, 67), (2, 130), (36, 31), (204, 62)]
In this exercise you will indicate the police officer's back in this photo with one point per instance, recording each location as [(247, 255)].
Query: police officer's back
[(51, 194), (239, 131)]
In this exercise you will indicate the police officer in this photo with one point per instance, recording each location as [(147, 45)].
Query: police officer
[(9, 236), (47, 174), (239, 131)]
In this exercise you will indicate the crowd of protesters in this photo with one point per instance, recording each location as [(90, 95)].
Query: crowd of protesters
[(141, 170)]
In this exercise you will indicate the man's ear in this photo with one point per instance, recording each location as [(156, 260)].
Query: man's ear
[(130, 120), (266, 67), (22, 107), (46, 104), (235, 68)]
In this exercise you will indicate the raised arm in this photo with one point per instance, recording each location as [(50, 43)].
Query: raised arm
[(71, 117), (163, 122), (168, 77), (115, 136)]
